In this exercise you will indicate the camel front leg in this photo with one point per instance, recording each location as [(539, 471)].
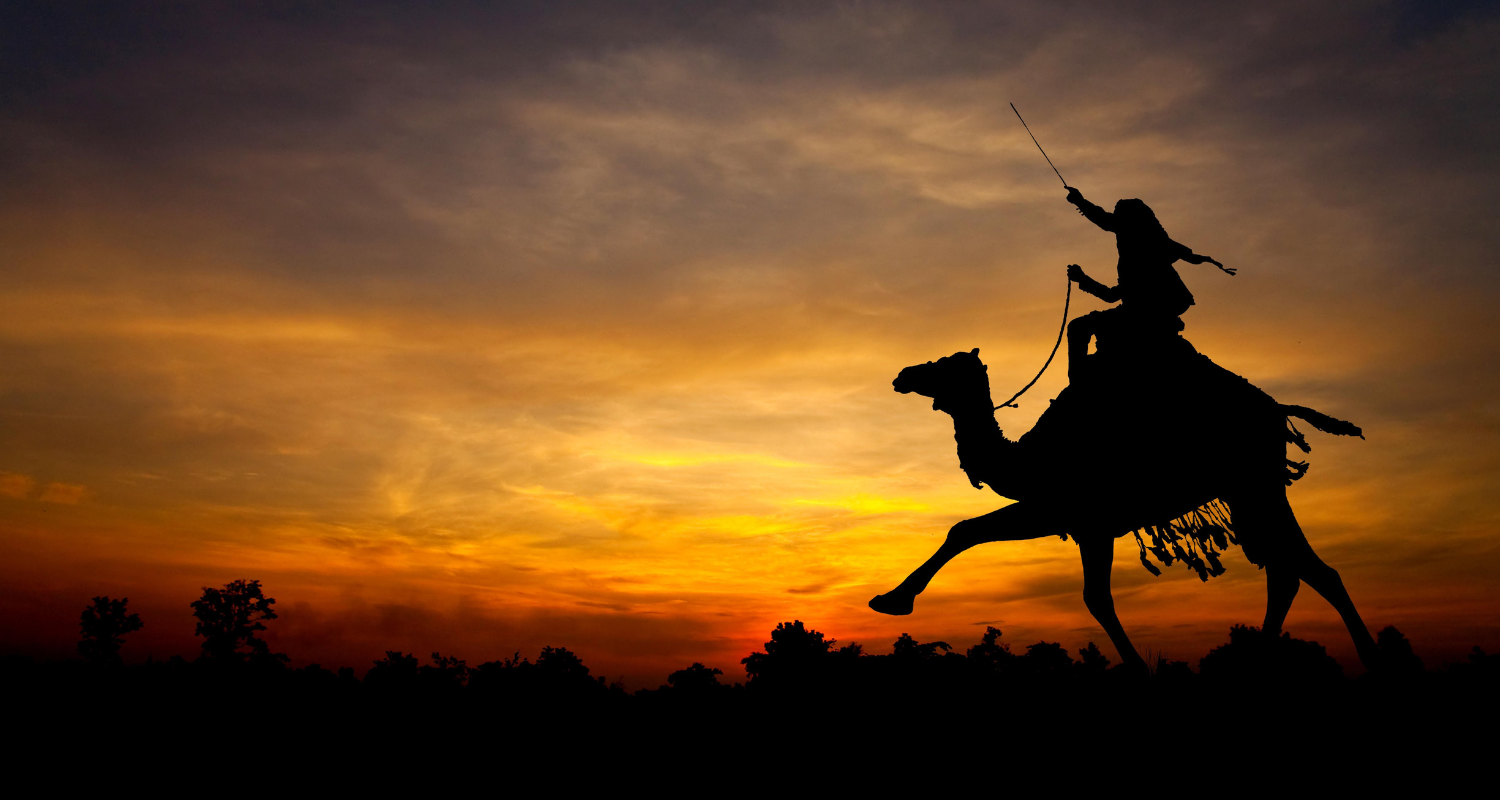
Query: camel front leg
[(1013, 523), (1098, 553)]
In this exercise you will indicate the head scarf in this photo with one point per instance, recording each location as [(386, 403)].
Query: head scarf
[(1138, 219)]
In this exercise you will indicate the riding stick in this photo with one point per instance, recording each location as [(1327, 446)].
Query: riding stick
[(1038, 144)]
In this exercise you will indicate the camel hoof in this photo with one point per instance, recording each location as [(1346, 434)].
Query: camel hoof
[(897, 605)]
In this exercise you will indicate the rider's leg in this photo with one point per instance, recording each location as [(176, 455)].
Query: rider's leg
[(1080, 331), (1013, 523), (1098, 552), (1282, 584)]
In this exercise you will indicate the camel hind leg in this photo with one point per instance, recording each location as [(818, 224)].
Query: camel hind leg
[(1013, 523), (1282, 584), (1271, 528)]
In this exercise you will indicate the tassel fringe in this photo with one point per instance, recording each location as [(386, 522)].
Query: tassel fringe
[(1195, 538), (1199, 536)]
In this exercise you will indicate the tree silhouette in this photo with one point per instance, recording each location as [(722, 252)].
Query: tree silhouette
[(695, 677), (908, 647), (991, 655), (397, 671), (1251, 657), (561, 664), (102, 627), (228, 620), (1046, 660), (1479, 666), (558, 675), (446, 673), (1396, 654), (1093, 662), (795, 652)]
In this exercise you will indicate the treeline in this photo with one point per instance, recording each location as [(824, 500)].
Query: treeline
[(797, 662), (805, 700), (801, 693)]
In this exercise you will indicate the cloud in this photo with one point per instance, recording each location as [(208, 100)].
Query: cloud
[(17, 486), (67, 494)]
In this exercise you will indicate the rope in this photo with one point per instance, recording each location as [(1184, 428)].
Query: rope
[(1011, 403)]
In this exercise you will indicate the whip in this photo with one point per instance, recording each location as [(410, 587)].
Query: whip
[(1067, 299), (1038, 145)]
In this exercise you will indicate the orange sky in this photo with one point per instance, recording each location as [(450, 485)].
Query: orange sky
[(477, 331)]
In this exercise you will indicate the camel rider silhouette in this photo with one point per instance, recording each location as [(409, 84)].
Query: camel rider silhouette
[(1150, 293)]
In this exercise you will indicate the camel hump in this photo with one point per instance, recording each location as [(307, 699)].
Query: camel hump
[(1323, 422)]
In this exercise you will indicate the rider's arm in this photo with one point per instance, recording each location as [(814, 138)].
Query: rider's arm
[(1091, 212), (1184, 253), (1109, 294)]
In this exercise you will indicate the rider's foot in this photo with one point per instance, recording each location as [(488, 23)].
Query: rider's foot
[(894, 603)]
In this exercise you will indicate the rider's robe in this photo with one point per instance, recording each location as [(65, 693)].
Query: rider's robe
[(1147, 282)]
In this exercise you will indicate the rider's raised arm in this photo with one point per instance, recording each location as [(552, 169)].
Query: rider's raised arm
[(1091, 212)]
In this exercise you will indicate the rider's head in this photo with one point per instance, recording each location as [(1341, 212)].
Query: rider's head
[(1137, 215)]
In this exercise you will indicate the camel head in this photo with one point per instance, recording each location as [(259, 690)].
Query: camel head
[(957, 379)]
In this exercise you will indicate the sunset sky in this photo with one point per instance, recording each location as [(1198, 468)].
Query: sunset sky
[(475, 327)]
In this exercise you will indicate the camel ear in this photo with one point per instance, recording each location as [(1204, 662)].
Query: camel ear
[(975, 352)]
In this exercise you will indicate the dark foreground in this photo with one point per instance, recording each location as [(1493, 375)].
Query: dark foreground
[(1256, 704)]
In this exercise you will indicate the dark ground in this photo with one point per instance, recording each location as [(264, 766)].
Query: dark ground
[(925, 715)]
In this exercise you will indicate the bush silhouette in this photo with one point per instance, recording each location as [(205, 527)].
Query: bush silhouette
[(1252, 658)]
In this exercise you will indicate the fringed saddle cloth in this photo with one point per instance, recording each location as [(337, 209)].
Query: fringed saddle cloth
[(1197, 537)]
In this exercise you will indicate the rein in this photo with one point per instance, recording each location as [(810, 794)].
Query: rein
[(1011, 403)]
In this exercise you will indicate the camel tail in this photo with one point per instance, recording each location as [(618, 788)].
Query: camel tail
[(1323, 422)]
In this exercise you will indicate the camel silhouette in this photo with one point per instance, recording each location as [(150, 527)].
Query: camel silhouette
[(1155, 440)]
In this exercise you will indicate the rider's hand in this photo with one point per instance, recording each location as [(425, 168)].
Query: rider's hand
[(1075, 274), (1228, 270), (1074, 196)]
